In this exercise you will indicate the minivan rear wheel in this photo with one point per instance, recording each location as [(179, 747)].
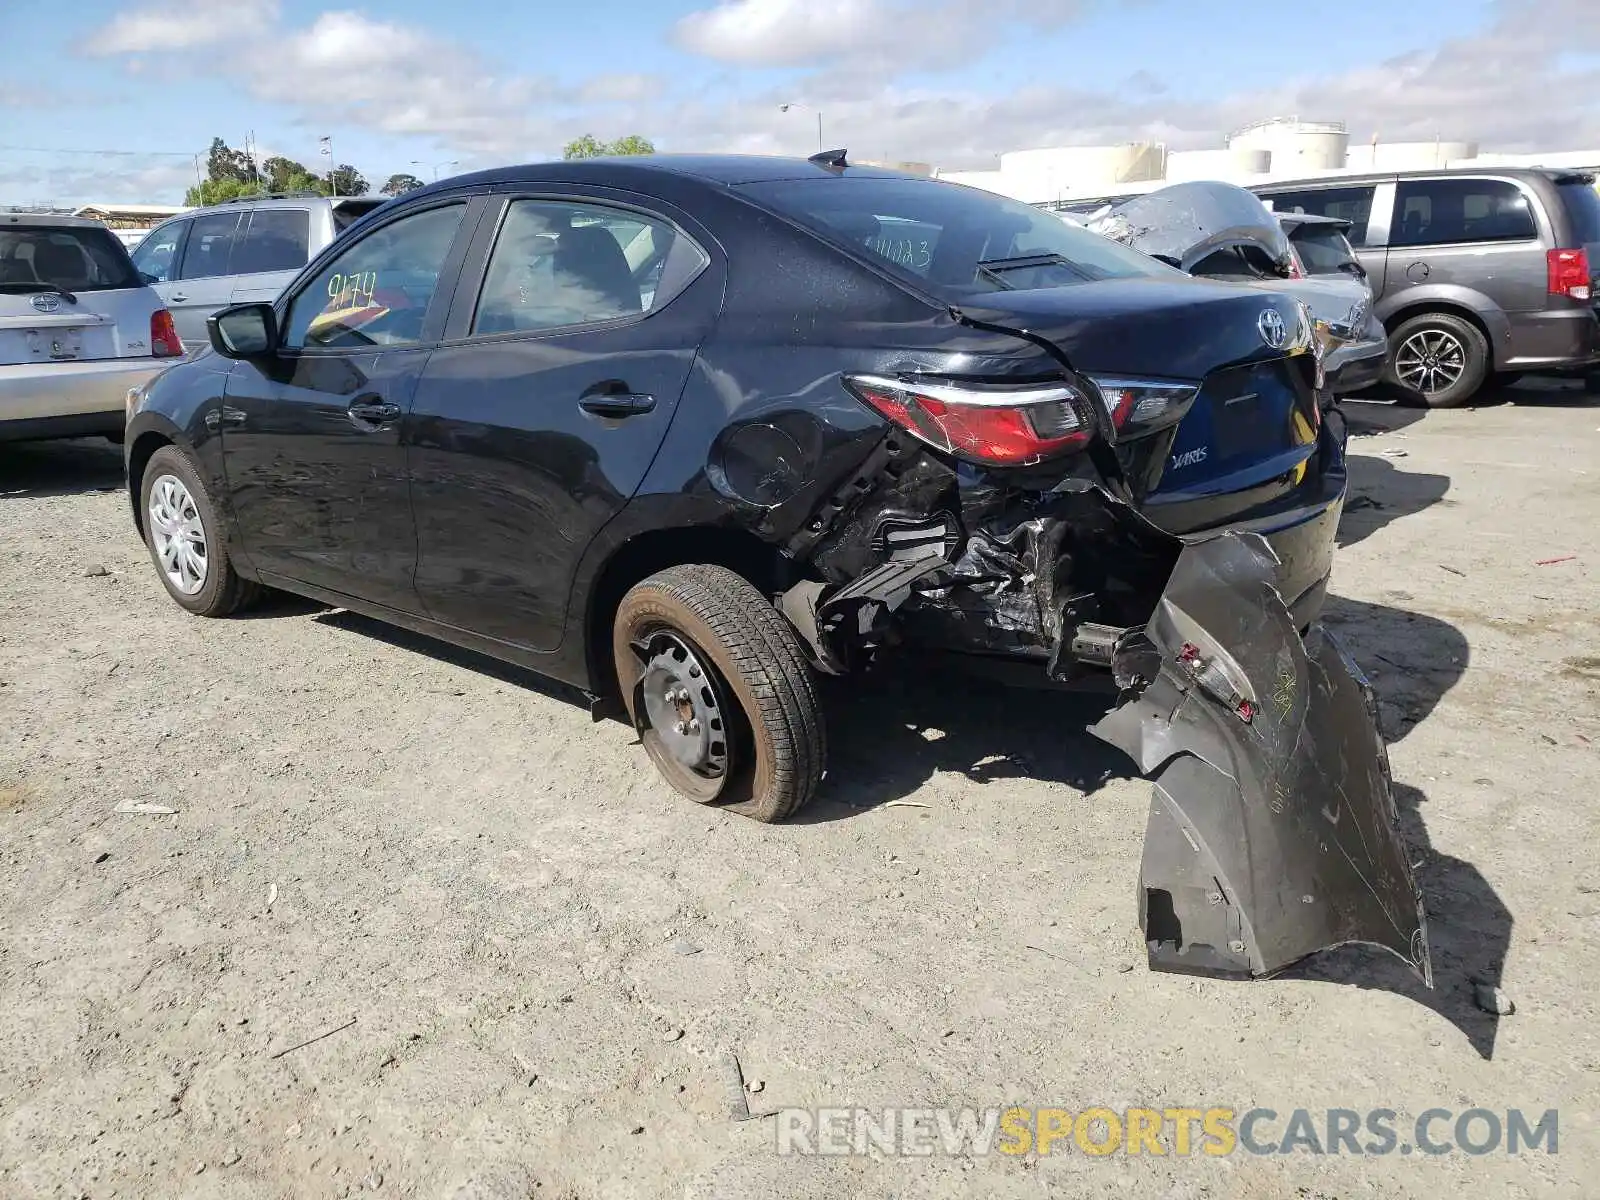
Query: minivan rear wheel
[(1438, 358), (717, 686)]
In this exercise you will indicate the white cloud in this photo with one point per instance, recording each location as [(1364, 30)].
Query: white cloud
[(182, 26), (783, 32), (130, 180)]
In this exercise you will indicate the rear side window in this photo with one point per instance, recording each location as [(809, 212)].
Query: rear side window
[(1324, 250), (954, 239), (347, 212), (277, 239), (1353, 204), (557, 264), (79, 259), (157, 256), (1583, 210), (1437, 212), (210, 246)]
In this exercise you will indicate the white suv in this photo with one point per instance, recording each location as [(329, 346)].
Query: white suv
[(78, 328)]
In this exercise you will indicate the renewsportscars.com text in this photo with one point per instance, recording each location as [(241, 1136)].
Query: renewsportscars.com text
[(1214, 1131)]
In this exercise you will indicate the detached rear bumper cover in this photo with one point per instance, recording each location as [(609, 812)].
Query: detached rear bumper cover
[(1272, 831)]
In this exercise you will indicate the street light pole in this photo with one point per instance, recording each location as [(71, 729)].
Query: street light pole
[(818, 111)]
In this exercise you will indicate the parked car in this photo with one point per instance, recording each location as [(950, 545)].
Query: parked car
[(78, 328), (1476, 272), (1219, 231), (243, 250), (683, 431)]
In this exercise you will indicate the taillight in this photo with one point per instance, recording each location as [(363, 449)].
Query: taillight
[(1568, 272), (1296, 270), (1137, 406), (164, 342), (998, 424)]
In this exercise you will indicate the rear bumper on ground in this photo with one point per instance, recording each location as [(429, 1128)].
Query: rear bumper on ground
[(58, 392)]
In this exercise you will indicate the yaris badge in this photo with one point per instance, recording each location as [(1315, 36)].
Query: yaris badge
[(1273, 331)]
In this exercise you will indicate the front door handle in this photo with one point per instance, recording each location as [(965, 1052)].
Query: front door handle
[(177, 297), (617, 404), (372, 414)]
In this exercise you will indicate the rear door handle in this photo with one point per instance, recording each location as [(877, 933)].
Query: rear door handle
[(371, 414), (177, 297), (616, 404)]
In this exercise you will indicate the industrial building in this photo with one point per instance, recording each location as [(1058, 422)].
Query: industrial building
[(1282, 148)]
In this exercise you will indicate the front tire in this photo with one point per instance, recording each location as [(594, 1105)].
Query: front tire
[(715, 682), (185, 537), (1439, 358)]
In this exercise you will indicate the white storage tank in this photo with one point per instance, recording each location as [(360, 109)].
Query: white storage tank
[(1046, 174), (1296, 145), (1409, 156), (1230, 166)]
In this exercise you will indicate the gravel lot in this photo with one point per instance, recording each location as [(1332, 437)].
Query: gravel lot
[(534, 957)]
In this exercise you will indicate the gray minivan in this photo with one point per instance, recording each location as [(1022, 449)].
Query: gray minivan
[(245, 249), (1476, 273)]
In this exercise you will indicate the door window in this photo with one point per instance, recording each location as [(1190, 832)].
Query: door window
[(378, 291), (210, 246), (1353, 204), (558, 264), (278, 239), (157, 256), (1436, 212)]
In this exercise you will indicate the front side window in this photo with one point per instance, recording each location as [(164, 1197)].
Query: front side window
[(378, 291), (76, 259), (1437, 212), (157, 256), (210, 246), (277, 239), (558, 263), (1353, 204), (952, 239)]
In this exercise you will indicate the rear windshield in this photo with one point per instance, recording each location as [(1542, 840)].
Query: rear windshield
[(78, 259), (1583, 207), (1324, 250), (347, 212), (954, 239)]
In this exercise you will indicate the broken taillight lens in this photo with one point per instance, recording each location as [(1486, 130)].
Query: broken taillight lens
[(1007, 425), (1137, 406)]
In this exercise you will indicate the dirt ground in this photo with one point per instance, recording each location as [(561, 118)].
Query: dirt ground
[(528, 958)]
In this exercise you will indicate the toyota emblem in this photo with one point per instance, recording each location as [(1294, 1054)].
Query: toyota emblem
[(45, 302), (1273, 331)]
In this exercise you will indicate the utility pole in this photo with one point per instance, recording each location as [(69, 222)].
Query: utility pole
[(325, 148)]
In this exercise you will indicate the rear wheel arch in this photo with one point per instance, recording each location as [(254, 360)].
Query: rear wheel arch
[(1397, 318), (641, 556)]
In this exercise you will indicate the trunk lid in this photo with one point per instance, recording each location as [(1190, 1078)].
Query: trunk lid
[(44, 327)]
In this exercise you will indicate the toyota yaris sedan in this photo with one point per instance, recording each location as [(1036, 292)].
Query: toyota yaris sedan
[(686, 431)]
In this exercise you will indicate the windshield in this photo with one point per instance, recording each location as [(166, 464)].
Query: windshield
[(953, 239), (85, 258), (1583, 206), (1323, 249)]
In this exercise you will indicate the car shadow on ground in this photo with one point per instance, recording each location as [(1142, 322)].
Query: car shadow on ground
[(1381, 491), (69, 467)]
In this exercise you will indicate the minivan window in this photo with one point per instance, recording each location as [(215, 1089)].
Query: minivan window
[(277, 239), (210, 246), (157, 256), (1583, 210), (84, 258), (1353, 204), (1437, 212), (953, 239), (377, 292)]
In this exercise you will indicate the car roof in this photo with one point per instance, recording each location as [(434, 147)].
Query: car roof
[(724, 169), (50, 221), (1551, 174), (281, 200)]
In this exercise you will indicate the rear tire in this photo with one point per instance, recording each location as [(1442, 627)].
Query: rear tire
[(186, 539), (1438, 359), (715, 682)]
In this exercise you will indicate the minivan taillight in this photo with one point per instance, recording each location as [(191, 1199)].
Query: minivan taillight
[(1568, 271), (164, 342), (1003, 425)]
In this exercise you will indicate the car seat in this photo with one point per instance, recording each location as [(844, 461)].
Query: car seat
[(588, 258)]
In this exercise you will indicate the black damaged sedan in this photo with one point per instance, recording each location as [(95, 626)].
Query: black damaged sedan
[(684, 431)]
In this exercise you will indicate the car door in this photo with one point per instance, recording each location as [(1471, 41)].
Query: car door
[(316, 475), (538, 417), (270, 252), (1474, 233)]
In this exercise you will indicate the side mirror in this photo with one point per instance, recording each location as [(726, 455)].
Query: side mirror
[(243, 331)]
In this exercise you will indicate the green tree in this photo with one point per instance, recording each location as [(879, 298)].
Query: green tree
[(632, 144), (587, 146), (286, 175), (216, 191), (347, 181), (399, 184), (224, 163)]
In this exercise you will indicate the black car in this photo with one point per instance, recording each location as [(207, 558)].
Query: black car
[(682, 431)]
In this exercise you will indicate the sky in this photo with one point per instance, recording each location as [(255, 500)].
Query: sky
[(108, 101)]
